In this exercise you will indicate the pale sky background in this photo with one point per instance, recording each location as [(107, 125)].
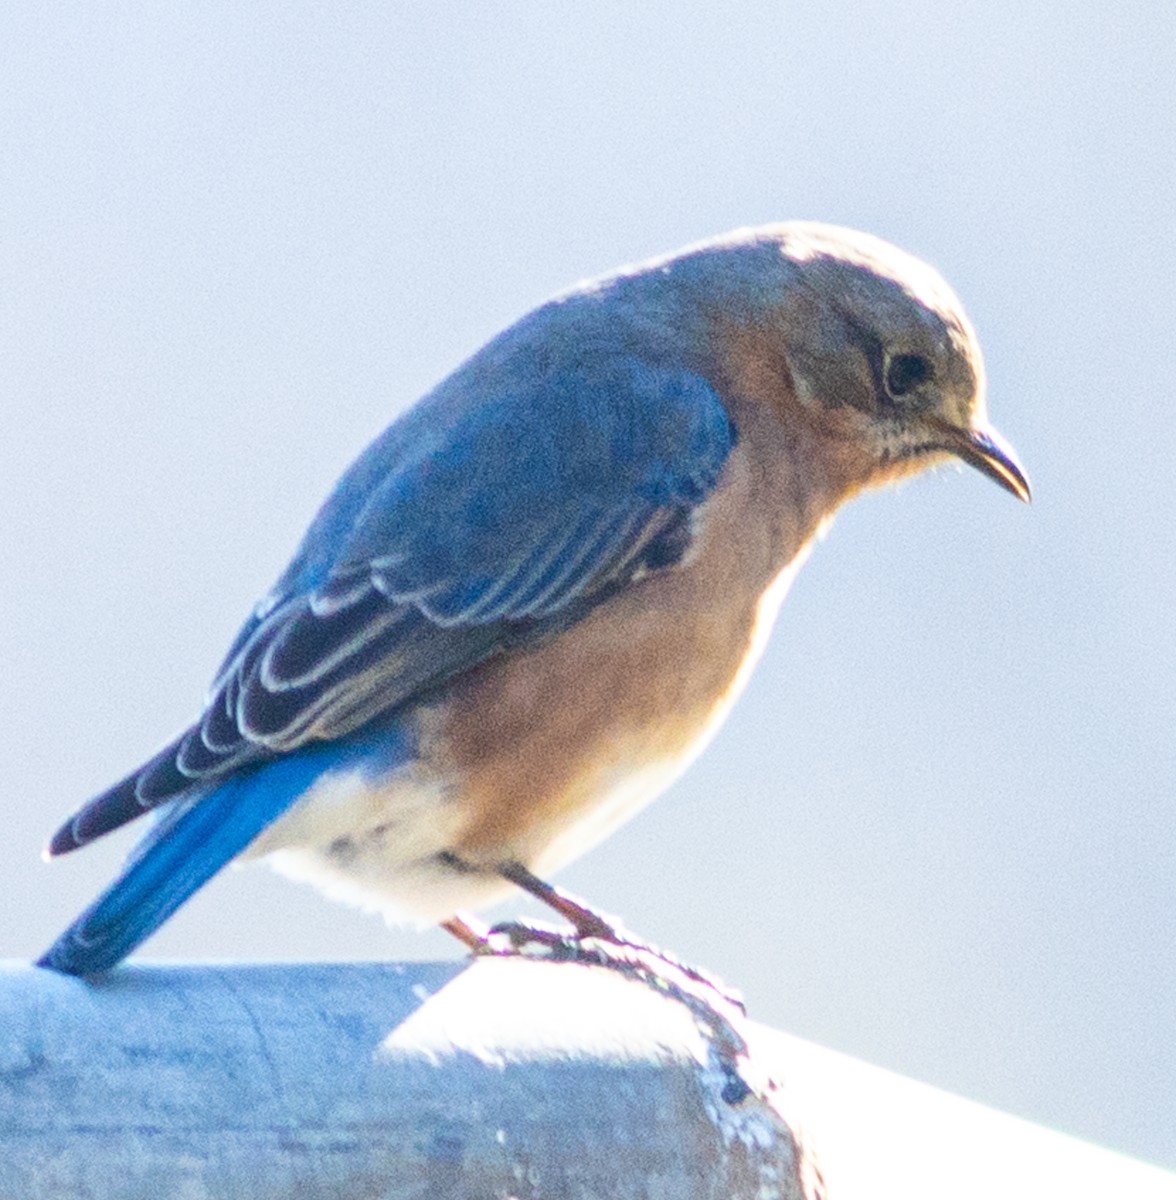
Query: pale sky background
[(939, 832)]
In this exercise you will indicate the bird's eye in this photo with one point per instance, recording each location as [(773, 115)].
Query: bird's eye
[(904, 373)]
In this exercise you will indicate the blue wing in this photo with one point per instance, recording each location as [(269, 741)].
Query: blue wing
[(435, 553), (467, 530)]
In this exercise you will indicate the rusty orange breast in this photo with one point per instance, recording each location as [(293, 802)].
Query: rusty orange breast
[(554, 747)]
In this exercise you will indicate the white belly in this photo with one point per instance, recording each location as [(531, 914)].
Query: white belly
[(374, 844), (380, 846)]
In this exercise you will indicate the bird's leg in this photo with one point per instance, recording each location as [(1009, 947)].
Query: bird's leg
[(509, 936), (472, 933), (593, 934), (591, 925), (480, 939), (585, 921)]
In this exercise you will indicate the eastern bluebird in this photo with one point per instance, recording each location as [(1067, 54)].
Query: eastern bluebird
[(533, 599)]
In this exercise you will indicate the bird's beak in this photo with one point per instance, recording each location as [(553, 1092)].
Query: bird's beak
[(988, 452)]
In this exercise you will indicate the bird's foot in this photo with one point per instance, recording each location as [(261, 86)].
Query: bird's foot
[(718, 1008), (595, 938), (600, 942), (617, 947), (594, 932)]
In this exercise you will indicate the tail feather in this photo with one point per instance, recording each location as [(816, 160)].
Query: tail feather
[(192, 841), (195, 834)]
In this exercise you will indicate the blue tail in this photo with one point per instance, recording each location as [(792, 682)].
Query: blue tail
[(191, 843), (196, 836)]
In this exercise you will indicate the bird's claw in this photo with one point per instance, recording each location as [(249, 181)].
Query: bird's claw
[(604, 944)]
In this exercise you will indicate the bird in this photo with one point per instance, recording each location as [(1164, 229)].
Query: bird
[(530, 603)]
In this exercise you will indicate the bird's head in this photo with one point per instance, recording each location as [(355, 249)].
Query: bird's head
[(880, 357)]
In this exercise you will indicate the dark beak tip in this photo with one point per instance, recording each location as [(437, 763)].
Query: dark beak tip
[(1010, 476), (990, 454)]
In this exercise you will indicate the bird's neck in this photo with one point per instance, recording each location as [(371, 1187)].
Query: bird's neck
[(798, 475)]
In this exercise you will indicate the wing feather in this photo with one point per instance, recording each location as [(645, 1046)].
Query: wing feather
[(531, 507)]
